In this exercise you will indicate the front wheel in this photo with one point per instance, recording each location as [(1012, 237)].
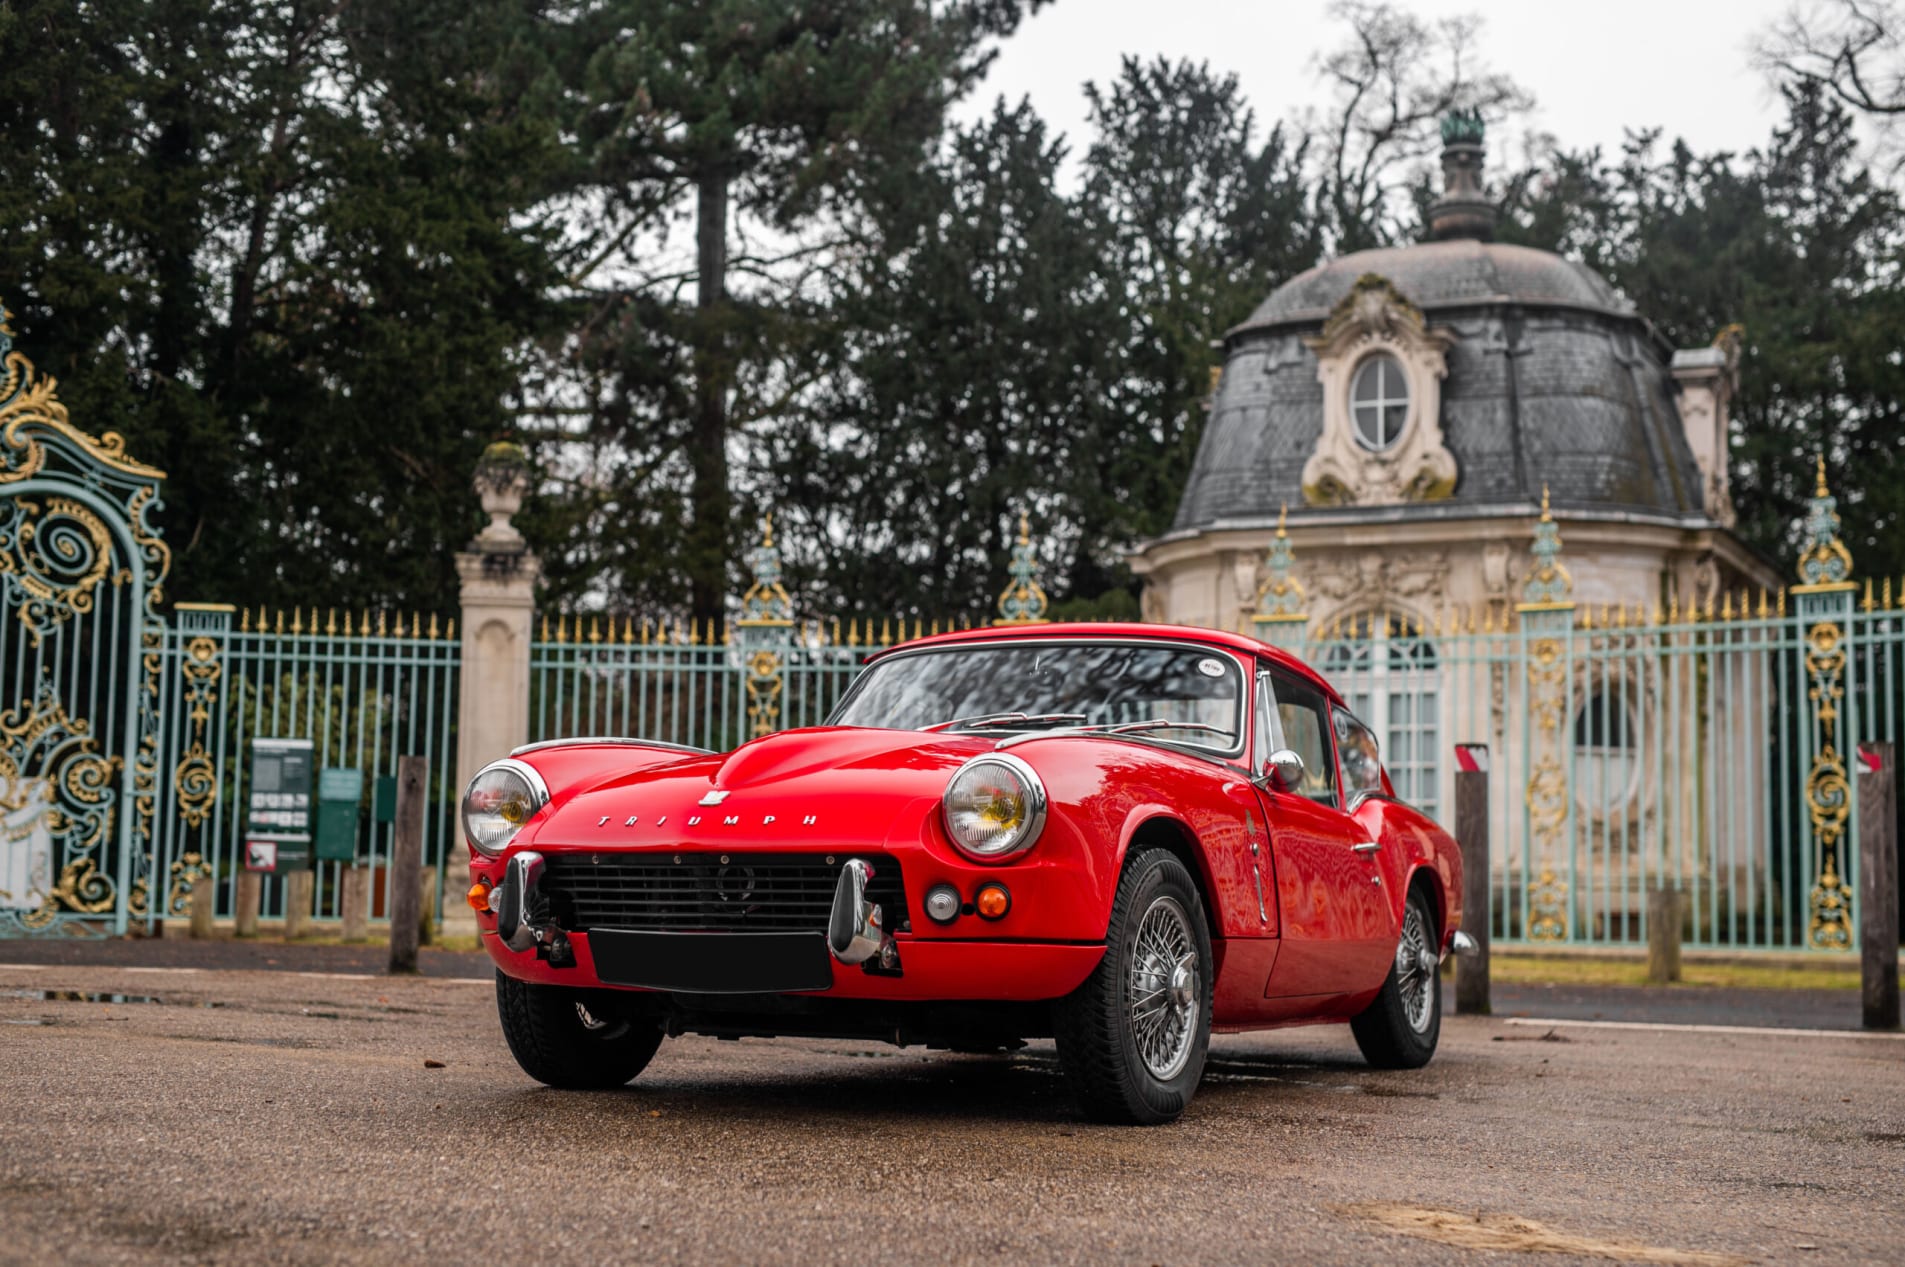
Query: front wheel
[(1133, 1037), (1399, 1029), (573, 1039)]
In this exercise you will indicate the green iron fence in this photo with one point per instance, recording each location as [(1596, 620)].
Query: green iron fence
[(681, 683), (364, 690), (1633, 750)]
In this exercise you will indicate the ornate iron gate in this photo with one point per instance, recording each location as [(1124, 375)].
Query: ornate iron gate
[(81, 570)]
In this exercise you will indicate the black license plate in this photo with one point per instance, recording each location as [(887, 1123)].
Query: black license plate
[(713, 963)]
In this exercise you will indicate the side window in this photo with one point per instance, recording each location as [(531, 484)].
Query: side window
[(1362, 764), (1301, 726)]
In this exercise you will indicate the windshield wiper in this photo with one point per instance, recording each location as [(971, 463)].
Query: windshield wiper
[(1123, 728), (1156, 723), (1006, 719)]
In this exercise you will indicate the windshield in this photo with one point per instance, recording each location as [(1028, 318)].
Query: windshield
[(1054, 684)]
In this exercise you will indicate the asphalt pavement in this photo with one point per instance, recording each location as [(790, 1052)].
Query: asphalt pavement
[(166, 1112)]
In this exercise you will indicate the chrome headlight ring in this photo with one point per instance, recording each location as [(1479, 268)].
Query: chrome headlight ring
[(994, 807), (502, 797)]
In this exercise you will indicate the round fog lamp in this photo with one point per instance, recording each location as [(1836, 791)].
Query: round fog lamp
[(942, 904), (992, 902)]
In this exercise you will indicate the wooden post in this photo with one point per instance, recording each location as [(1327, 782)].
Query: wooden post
[(427, 907), (1878, 884), (1663, 935), (356, 903), (300, 890), (204, 899), (1471, 831), (406, 865), (251, 888)]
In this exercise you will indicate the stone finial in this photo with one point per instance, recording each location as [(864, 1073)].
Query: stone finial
[(1024, 601), (766, 601), (1825, 563), (1463, 210), (1280, 595), (1549, 585), (502, 477)]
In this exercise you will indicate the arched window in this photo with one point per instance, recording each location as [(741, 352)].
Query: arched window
[(1379, 401), (1606, 750), (1390, 677)]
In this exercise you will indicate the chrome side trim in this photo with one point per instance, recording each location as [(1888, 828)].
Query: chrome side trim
[(609, 741)]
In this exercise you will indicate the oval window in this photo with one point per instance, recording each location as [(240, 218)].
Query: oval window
[(1379, 401)]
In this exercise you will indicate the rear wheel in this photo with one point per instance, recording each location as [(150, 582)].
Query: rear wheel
[(579, 1040), (1133, 1037), (1399, 1030)]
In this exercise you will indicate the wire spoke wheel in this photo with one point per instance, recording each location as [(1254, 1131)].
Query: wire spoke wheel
[(1163, 989), (1416, 962)]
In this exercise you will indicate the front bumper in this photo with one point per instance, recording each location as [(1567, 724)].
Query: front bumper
[(934, 969)]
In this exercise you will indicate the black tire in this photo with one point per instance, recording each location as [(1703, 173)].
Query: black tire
[(1098, 1040), (1396, 1031), (554, 1044)]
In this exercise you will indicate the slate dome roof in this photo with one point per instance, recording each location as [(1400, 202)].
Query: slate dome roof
[(1437, 274)]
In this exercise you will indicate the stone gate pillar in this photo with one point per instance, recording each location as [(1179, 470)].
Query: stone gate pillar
[(498, 594)]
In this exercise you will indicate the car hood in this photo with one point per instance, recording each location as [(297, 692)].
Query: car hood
[(853, 784)]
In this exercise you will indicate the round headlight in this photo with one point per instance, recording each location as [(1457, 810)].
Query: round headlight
[(501, 798), (994, 807)]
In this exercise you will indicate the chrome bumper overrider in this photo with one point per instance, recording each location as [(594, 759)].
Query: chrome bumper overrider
[(856, 932), (1462, 944), (515, 898)]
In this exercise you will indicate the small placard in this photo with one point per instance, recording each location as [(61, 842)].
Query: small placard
[(261, 855)]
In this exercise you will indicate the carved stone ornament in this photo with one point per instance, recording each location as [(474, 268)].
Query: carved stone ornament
[(502, 477), (1374, 317), (1376, 577)]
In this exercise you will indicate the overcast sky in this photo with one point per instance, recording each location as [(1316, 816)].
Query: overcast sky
[(1594, 68)]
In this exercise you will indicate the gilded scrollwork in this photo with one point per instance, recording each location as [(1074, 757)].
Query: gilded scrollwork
[(76, 520), (1547, 614), (195, 777), (764, 691), (1828, 793), (1024, 601), (1825, 592)]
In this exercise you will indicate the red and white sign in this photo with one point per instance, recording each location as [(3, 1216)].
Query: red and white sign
[(1471, 758)]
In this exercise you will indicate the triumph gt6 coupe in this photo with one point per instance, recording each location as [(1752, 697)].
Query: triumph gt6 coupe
[(1117, 836)]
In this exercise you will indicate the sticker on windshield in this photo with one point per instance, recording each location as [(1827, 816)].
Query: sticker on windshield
[(1211, 668)]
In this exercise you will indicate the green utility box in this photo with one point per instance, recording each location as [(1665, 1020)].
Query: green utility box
[(340, 796), (278, 808)]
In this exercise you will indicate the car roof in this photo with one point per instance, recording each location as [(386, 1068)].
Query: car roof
[(1089, 630)]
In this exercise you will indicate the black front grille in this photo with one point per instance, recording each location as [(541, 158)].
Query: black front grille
[(755, 893)]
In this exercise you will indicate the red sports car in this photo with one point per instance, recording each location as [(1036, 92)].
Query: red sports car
[(1117, 836)]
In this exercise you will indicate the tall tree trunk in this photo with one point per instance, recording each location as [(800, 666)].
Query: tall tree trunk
[(708, 451)]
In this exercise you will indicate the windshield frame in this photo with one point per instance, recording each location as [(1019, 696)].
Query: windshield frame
[(1240, 722)]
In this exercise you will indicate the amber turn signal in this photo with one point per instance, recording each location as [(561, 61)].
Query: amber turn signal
[(479, 896), (992, 902)]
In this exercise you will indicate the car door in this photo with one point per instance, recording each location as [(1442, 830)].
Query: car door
[(1337, 927)]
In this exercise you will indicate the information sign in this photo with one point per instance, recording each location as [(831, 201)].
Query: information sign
[(279, 807)]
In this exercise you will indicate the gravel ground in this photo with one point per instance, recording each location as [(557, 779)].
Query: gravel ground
[(262, 1117)]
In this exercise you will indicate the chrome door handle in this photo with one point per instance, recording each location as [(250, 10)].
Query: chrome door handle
[(1368, 846)]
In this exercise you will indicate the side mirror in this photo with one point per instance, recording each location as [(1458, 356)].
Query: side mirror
[(1283, 770)]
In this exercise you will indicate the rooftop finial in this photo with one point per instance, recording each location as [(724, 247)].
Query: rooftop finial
[(1463, 126), (1463, 210), (1821, 490)]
